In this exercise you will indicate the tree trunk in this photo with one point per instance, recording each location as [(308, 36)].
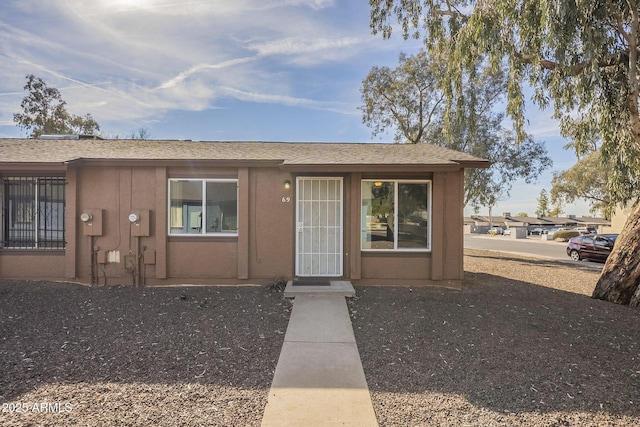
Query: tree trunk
[(620, 278)]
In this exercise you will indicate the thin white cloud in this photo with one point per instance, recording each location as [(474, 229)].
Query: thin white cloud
[(310, 50), (202, 67), (290, 101), (138, 60)]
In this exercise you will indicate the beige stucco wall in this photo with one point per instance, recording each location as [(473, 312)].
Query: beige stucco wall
[(618, 219)]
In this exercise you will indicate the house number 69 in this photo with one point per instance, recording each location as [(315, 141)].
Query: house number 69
[(286, 199)]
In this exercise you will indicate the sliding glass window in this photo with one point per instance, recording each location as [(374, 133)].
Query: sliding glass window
[(203, 206), (396, 215)]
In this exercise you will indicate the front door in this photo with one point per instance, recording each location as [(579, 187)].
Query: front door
[(319, 227)]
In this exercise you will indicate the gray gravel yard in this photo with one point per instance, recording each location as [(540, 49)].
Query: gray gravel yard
[(183, 356), (521, 344)]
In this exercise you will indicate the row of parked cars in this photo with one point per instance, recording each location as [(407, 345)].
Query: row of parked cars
[(537, 231), (589, 245)]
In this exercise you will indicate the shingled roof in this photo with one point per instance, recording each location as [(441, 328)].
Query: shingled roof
[(287, 155)]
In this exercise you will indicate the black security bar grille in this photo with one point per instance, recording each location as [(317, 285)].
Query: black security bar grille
[(33, 211)]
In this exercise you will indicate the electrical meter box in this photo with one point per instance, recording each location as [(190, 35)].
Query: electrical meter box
[(91, 222), (140, 220)]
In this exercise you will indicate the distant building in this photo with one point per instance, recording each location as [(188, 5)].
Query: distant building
[(481, 224), (618, 219)]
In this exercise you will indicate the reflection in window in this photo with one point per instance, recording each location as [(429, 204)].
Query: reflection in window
[(378, 215), (203, 206), (413, 215), (395, 215)]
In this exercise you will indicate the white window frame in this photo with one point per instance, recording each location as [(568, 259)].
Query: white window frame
[(203, 232), (395, 215)]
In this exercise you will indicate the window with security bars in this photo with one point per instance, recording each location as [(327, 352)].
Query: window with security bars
[(33, 210)]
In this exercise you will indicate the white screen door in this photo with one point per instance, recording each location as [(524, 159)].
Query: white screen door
[(319, 227)]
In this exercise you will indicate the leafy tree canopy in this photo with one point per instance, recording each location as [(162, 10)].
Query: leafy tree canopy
[(45, 113), (587, 180), (409, 100), (580, 57)]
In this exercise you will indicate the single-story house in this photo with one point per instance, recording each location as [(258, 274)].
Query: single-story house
[(148, 212)]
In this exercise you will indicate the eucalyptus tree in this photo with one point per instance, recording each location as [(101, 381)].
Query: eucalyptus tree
[(586, 180), (45, 112), (409, 100), (579, 57)]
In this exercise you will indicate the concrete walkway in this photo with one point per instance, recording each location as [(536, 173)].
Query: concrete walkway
[(319, 380)]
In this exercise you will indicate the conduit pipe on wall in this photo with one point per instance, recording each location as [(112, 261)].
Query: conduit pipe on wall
[(138, 259), (94, 260)]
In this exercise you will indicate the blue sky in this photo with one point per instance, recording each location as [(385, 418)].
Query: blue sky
[(279, 70)]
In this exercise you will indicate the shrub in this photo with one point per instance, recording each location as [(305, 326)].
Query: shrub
[(565, 235)]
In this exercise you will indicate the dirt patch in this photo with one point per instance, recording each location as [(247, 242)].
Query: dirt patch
[(521, 344)]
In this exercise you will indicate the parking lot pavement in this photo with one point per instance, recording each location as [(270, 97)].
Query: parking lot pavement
[(533, 246)]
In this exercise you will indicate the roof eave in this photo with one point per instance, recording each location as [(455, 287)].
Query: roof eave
[(477, 164), (33, 167), (176, 162), (345, 168)]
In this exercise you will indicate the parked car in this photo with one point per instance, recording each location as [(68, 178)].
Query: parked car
[(507, 232), (495, 230), (586, 230), (536, 231), (591, 246)]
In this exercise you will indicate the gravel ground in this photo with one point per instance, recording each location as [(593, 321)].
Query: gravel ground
[(521, 344), (121, 356)]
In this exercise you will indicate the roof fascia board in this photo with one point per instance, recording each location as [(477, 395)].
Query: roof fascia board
[(478, 164), (32, 167), (176, 162), (343, 168)]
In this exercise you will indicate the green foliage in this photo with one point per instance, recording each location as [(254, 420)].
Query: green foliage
[(382, 203), (408, 99), (564, 235), (405, 98), (588, 180), (557, 210), (580, 58), (543, 203), (522, 215), (45, 113)]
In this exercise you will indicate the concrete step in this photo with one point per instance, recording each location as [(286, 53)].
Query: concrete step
[(336, 287)]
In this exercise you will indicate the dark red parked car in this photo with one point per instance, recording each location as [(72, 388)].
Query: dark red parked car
[(591, 246)]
